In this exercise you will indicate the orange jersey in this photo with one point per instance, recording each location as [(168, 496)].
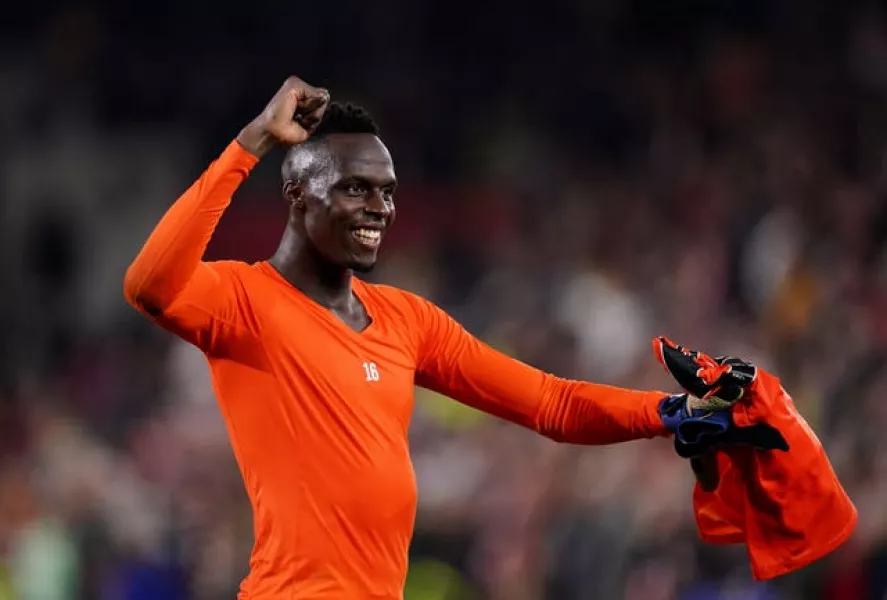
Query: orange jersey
[(788, 508), (317, 413)]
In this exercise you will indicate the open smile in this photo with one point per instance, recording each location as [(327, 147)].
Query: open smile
[(367, 237)]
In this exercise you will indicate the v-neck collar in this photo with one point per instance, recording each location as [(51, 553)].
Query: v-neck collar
[(357, 288)]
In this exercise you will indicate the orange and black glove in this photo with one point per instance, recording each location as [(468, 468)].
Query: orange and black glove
[(701, 419)]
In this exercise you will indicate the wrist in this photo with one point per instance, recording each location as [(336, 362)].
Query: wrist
[(673, 410), (256, 140)]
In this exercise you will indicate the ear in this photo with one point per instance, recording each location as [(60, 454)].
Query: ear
[(293, 192)]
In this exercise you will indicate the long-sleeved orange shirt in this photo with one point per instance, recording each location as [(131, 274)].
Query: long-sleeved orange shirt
[(318, 413)]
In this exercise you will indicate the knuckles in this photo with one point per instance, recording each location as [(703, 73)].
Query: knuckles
[(294, 82)]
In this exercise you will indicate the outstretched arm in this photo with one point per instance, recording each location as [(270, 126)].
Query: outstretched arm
[(168, 280), (456, 364)]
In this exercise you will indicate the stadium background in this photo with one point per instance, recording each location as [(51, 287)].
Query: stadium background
[(577, 177)]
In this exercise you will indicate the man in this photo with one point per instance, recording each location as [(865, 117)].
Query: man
[(314, 369)]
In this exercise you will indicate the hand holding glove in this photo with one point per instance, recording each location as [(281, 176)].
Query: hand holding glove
[(701, 419)]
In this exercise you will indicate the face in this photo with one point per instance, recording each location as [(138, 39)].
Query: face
[(348, 204)]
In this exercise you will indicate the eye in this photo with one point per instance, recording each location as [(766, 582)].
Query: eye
[(388, 194), (355, 188)]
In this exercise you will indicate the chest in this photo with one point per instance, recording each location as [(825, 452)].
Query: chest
[(327, 366)]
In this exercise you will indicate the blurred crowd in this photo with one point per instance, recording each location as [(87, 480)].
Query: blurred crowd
[(577, 178)]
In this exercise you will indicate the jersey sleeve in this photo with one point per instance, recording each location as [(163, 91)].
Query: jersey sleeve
[(169, 282), (453, 362)]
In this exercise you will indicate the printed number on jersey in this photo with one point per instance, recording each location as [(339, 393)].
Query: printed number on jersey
[(371, 370)]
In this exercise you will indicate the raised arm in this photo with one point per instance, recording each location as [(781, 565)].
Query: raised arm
[(169, 265), (168, 280), (456, 364)]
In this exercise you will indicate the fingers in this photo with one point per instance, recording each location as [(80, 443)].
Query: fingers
[(289, 118), (311, 109), (681, 365), (296, 110), (719, 382), (314, 99)]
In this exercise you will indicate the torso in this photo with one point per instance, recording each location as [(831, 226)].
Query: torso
[(318, 408)]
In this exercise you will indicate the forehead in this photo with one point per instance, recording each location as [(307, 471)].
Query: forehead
[(361, 155)]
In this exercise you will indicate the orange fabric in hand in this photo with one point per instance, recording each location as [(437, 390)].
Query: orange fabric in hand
[(788, 508)]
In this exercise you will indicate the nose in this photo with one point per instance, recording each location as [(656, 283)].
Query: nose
[(376, 204)]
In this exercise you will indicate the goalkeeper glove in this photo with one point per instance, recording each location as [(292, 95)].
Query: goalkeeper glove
[(701, 419)]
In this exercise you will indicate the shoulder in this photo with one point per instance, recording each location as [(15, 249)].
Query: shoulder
[(237, 269), (229, 266), (250, 288), (397, 301), (238, 277), (388, 294)]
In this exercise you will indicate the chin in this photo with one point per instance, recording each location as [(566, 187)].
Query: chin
[(362, 267), (361, 263)]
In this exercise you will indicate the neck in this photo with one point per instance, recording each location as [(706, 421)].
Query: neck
[(326, 283)]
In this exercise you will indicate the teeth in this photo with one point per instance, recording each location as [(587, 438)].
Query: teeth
[(369, 236)]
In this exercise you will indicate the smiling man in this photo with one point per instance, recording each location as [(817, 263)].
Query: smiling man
[(314, 369)]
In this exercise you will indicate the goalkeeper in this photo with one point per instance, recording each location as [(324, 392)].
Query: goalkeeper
[(314, 369)]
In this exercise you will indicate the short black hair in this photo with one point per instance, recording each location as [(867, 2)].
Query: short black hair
[(345, 118), (339, 117)]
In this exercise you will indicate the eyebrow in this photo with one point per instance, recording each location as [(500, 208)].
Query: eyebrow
[(369, 180)]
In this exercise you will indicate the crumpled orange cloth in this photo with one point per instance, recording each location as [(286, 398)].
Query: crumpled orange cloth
[(788, 508)]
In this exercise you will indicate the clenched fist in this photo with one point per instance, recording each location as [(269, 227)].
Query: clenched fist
[(290, 117)]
